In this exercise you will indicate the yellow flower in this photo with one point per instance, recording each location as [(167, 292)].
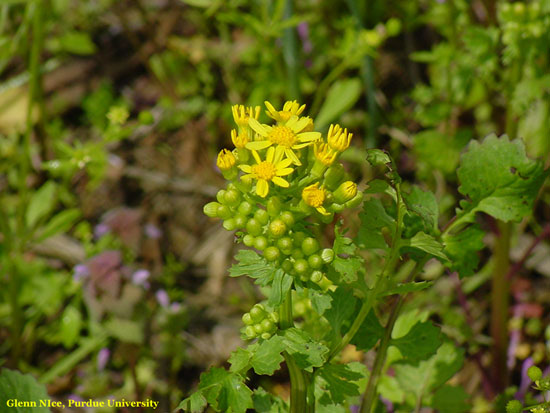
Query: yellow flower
[(324, 153), (239, 140), (269, 170), (338, 139), (226, 160), (290, 109), (315, 197), (241, 114), (289, 137)]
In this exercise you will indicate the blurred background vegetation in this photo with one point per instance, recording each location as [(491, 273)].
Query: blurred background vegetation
[(111, 115)]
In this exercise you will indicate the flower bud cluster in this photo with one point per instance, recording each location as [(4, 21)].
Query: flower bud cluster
[(260, 323), (284, 179)]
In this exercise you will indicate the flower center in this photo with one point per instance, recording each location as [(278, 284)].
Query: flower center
[(264, 170), (282, 135), (314, 197)]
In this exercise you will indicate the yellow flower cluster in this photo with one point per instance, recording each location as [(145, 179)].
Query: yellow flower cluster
[(288, 155)]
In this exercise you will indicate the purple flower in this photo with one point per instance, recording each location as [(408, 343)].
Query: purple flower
[(162, 298), (525, 380), (175, 307), (303, 32), (100, 230), (152, 231), (81, 271), (140, 277), (103, 358), (75, 397)]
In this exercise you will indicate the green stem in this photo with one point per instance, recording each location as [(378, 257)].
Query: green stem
[(300, 382), (500, 293), (381, 281), (370, 395)]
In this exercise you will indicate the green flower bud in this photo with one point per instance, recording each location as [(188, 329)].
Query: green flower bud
[(543, 384), (519, 9), (211, 209), (274, 206), (327, 255), (260, 243), (345, 192), (271, 253), (297, 253), (248, 240), (245, 208), (266, 336), (254, 227), (393, 26), (316, 276), (220, 196), (355, 201), (262, 216), (249, 332), (146, 118), (258, 328), (287, 266), (247, 319), (334, 176), (285, 244), (257, 313), (277, 228), (336, 208), (327, 219), (301, 266), (268, 326), (240, 221), (514, 406), (224, 212), (232, 197), (298, 238), (534, 373), (288, 218), (310, 246), (274, 316), (315, 261), (230, 224)]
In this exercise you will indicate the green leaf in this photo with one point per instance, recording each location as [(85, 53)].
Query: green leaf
[(281, 285), (251, 264), (224, 390), (41, 203), (70, 325), (320, 301), (426, 243), (451, 399), (378, 157), (346, 265), (342, 309), (421, 379), (340, 97), (194, 403), (423, 204), (421, 342), (339, 381), (438, 151), (240, 359), (499, 179), (373, 219), (14, 385), (265, 402), (462, 249), (267, 357), (77, 43), (59, 223), (307, 352), (369, 333)]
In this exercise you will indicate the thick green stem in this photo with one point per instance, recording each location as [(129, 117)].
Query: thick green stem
[(299, 380), (500, 293)]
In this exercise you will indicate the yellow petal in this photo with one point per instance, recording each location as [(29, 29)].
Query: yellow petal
[(284, 171), (258, 145), (245, 168), (270, 154), (322, 210), (309, 136), (283, 164), (293, 157), (256, 157), (262, 188), (280, 182), (257, 127), (271, 110), (298, 124)]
